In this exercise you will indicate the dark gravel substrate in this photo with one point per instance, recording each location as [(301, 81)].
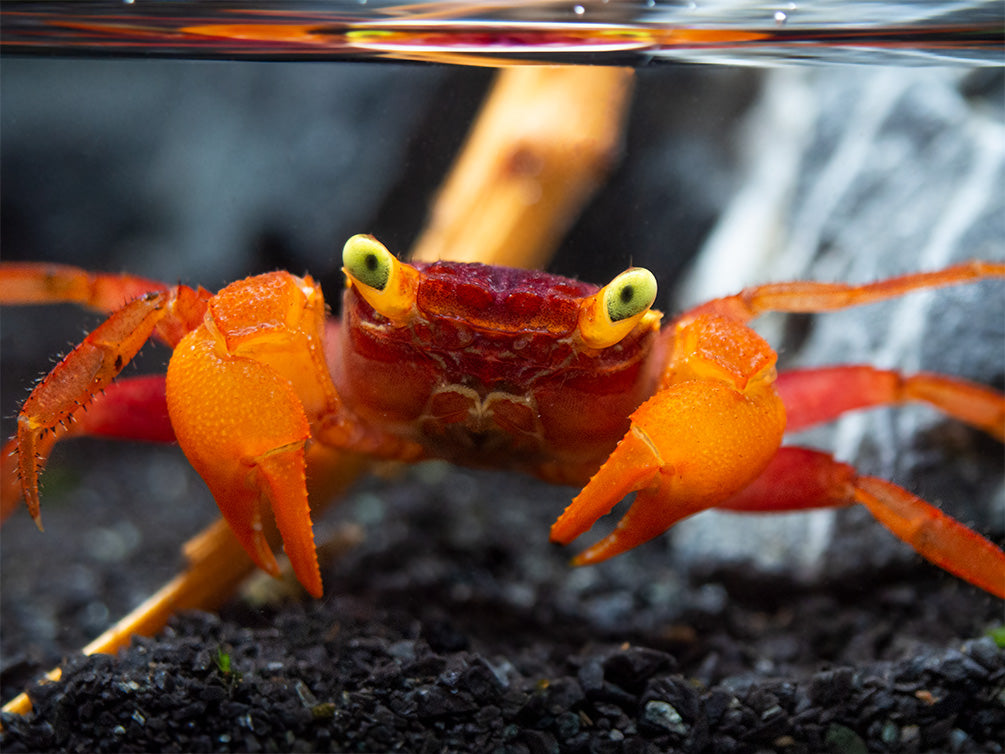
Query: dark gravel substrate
[(360, 691), (454, 627)]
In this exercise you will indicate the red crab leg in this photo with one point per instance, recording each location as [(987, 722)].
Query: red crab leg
[(815, 396), (133, 409), (800, 479)]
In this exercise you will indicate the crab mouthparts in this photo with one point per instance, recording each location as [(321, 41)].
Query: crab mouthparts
[(463, 425)]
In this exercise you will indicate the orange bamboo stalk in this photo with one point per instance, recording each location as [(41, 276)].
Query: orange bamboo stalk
[(543, 143)]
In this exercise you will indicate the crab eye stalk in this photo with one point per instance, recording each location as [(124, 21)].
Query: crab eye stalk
[(367, 261), (611, 313), (630, 294), (386, 284)]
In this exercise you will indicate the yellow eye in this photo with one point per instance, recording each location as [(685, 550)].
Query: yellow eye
[(631, 293), (389, 286), (611, 313), (367, 261)]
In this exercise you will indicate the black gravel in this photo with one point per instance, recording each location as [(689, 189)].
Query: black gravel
[(455, 627), (355, 690)]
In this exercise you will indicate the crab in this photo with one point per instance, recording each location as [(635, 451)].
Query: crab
[(486, 366)]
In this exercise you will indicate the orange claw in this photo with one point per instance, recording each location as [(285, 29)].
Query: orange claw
[(704, 436), (243, 429), (240, 389)]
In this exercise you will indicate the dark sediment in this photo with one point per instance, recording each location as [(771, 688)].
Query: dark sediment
[(455, 627)]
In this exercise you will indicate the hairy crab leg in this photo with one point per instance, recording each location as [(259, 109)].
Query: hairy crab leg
[(132, 409), (812, 297), (802, 478), (68, 401), (32, 283), (88, 369)]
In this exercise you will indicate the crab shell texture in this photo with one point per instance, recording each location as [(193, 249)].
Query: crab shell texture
[(490, 369)]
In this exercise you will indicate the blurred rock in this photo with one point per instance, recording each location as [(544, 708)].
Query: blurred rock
[(858, 174)]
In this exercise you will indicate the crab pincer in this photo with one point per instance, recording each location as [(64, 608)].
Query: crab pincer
[(713, 425), (237, 388)]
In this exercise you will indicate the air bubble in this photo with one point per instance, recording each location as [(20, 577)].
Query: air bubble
[(780, 18), (579, 10)]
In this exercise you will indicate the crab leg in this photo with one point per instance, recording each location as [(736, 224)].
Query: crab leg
[(133, 409), (810, 396), (810, 297), (56, 408), (85, 371), (41, 283), (801, 478)]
